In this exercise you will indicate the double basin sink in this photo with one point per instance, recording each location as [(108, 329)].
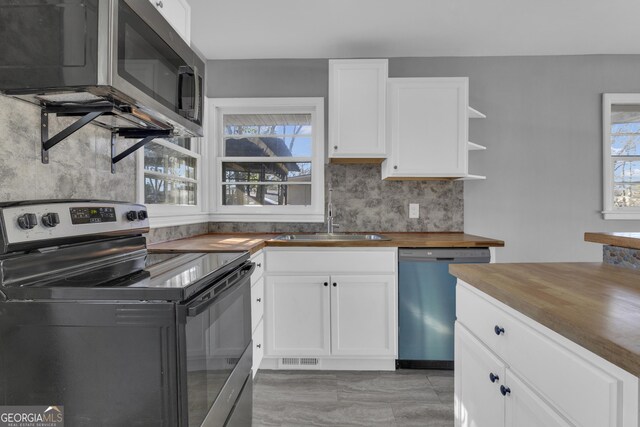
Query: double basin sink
[(331, 237)]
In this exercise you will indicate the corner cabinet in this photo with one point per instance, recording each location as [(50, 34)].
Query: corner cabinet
[(331, 309), (357, 105), (513, 371), (428, 127), (178, 14)]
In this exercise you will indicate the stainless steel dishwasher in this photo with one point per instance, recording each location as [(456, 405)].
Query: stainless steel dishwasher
[(427, 304)]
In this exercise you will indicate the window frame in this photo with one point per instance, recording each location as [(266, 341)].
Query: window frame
[(308, 105), (610, 212), (164, 215)]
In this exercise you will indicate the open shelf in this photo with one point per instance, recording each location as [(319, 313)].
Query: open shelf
[(473, 146), (472, 178), (475, 114)]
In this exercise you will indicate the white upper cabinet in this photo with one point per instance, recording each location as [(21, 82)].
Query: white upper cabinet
[(427, 131), (357, 104), (178, 14)]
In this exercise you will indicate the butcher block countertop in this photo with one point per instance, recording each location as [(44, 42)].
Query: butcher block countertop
[(253, 242), (625, 240), (594, 305)]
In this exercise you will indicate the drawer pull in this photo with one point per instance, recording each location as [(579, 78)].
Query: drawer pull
[(259, 299), (259, 345), (259, 264), (498, 330), (493, 377), (505, 390), (326, 283), (335, 284)]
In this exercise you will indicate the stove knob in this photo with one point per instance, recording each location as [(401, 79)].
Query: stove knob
[(27, 221), (50, 219), (142, 215), (132, 215)]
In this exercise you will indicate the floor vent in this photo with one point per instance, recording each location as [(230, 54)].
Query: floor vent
[(232, 361), (298, 362)]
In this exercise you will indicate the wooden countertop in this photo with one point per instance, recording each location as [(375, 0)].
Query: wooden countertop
[(594, 305), (625, 240), (253, 242)]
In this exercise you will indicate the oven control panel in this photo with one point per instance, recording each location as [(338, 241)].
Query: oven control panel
[(42, 221)]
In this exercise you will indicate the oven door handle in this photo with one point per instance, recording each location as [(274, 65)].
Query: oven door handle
[(208, 299), (186, 70)]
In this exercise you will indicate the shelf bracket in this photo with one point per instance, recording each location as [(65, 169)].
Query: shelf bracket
[(146, 135), (48, 143)]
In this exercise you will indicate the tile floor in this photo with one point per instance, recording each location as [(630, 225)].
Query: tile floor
[(402, 398)]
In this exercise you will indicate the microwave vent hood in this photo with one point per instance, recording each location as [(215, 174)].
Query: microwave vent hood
[(100, 53)]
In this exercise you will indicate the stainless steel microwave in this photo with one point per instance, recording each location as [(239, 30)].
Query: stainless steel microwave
[(75, 53)]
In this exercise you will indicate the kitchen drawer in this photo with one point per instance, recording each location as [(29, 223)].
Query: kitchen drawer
[(258, 347), (333, 261), (581, 391), (257, 303), (258, 259)]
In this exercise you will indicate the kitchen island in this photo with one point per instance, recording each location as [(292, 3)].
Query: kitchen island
[(550, 344)]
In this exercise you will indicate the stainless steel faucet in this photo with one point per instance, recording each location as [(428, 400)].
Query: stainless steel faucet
[(330, 223)]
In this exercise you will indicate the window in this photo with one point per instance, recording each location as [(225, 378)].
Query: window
[(269, 162), (621, 154), (169, 181)]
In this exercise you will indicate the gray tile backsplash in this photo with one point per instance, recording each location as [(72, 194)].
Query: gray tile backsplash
[(79, 166), (364, 202)]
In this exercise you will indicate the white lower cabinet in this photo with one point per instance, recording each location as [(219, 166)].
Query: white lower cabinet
[(257, 310), (543, 378), (298, 313), (322, 320)]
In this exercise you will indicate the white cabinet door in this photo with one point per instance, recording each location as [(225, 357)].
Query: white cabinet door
[(427, 128), (178, 14), (297, 315), (478, 401), (258, 347), (525, 409), (363, 315), (257, 303), (357, 108)]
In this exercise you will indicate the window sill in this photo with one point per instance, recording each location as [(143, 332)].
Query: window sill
[(177, 219), (244, 217), (621, 215)]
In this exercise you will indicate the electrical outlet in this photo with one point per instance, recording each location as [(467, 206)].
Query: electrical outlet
[(414, 210)]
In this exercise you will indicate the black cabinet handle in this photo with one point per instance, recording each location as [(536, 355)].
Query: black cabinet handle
[(326, 283), (259, 299), (505, 390), (498, 330), (335, 284), (493, 377), (259, 264), (259, 345)]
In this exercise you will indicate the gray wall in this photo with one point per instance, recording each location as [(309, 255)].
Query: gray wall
[(80, 166), (543, 134)]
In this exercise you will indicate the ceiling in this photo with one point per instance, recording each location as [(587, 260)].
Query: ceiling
[(235, 29)]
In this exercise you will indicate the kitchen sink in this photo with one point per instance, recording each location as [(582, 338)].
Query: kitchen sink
[(331, 237)]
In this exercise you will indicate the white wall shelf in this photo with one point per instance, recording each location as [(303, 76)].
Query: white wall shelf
[(472, 178), (473, 146), (475, 114)]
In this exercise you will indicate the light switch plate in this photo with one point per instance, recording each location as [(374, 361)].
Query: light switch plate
[(414, 210)]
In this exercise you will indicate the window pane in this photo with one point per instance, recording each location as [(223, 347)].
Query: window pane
[(266, 195), (626, 195), (158, 158), (626, 171), (267, 124), (159, 190), (625, 130), (280, 172), (286, 146)]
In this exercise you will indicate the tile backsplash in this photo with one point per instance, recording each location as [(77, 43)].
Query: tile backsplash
[(79, 166), (364, 202)]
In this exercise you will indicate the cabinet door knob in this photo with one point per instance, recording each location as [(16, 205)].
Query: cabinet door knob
[(335, 147), (493, 377), (326, 283), (259, 345), (498, 330), (259, 299), (159, 4), (395, 167), (259, 265), (505, 390), (335, 284)]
